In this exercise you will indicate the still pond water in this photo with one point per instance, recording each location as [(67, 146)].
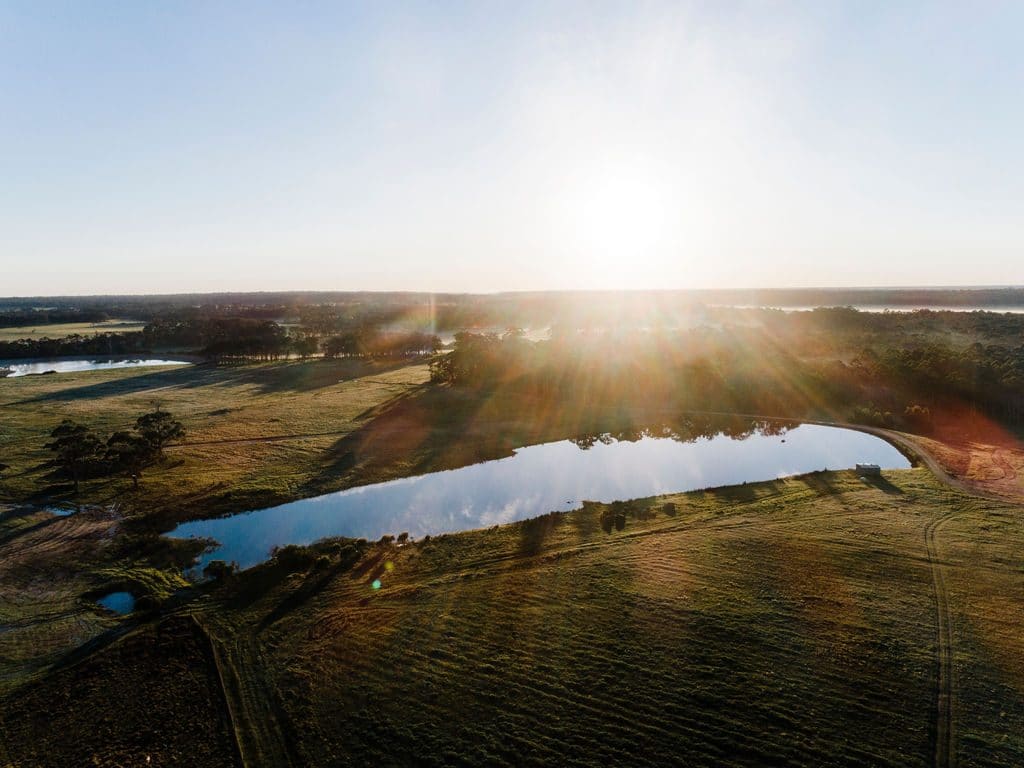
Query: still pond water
[(74, 365), (537, 480), (118, 602)]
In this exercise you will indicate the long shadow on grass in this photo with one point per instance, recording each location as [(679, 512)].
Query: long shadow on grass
[(422, 429), (293, 377), (882, 484)]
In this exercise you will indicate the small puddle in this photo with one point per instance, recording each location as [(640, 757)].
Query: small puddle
[(118, 602)]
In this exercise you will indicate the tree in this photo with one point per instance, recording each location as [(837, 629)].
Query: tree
[(159, 428), (219, 570), (130, 452), (77, 448), (305, 346)]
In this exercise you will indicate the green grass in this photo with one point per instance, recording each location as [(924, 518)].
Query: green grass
[(784, 623), (228, 412), (263, 434), (58, 330), (790, 622)]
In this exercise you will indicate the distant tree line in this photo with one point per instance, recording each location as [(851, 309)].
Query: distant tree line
[(370, 342), (223, 339), (75, 345), (13, 318)]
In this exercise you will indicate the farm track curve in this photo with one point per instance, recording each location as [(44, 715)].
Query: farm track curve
[(945, 690)]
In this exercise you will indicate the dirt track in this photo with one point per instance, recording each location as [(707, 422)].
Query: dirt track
[(945, 703)]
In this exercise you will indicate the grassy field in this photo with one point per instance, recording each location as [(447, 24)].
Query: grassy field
[(265, 432), (820, 620), (784, 623), (57, 330)]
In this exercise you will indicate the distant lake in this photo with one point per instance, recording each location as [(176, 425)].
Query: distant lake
[(1014, 309), (539, 479), (74, 365)]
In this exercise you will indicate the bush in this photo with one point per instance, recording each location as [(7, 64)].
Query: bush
[(293, 557), (322, 563), (218, 570), (918, 417), (669, 508)]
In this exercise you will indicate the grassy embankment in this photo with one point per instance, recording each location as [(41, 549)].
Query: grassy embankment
[(791, 622)]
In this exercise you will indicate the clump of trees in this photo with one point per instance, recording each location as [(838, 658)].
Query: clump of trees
[(81, 453), (371, 342), (806, 364), (77, 448), (220, 570)]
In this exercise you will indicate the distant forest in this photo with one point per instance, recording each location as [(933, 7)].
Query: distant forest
[(890, 368), (451, 311)]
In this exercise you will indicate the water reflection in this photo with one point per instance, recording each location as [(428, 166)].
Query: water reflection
[(118, 602), (542, 478), (26, 368)]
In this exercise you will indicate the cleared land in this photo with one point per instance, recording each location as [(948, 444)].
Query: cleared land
[(57, 330), (817, 620)]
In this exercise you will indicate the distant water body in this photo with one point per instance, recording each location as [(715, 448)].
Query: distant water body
[(1016, 310), (75, 365)]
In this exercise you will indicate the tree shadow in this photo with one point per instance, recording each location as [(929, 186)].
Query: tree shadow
[(422, 429), (533, 532), (823, 482), (186, 377), (585, 519), (744, 492), (286, 376), (881, 483)]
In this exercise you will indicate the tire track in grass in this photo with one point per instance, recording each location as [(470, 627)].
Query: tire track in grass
[(945, 696)]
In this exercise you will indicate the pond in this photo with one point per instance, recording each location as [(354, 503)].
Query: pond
[(539, 479), (74, 365), (118, 602)]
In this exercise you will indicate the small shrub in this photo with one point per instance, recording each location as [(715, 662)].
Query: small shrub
[(218, 570), (669, 508), (293, 557)]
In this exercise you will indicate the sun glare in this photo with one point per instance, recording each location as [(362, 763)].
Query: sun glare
[(616, 225)]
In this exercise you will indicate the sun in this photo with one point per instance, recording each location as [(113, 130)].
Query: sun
[(616, 226)]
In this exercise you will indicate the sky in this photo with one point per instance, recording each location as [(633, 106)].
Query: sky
[(163, 147)]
